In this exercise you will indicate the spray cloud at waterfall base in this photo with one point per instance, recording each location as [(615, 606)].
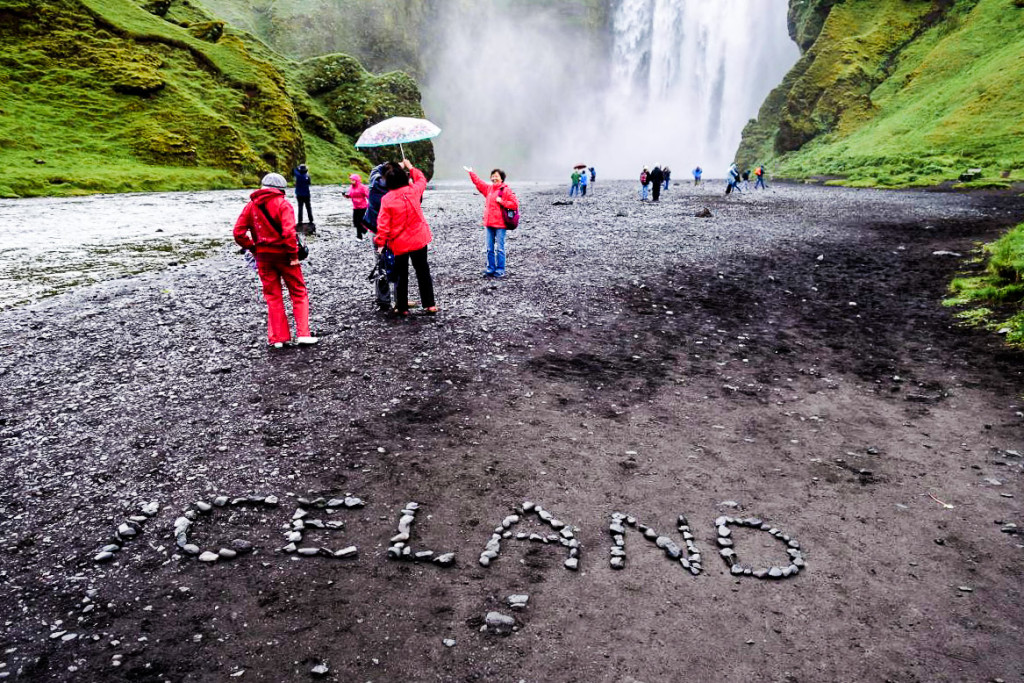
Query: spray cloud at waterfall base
[(674, 83)]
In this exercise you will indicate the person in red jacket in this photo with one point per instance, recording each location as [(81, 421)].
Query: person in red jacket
[(402, 227), (267, 228), (498, 196), (359, 194)]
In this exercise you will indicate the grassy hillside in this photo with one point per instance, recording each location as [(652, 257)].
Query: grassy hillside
[(898, 93), (119, 95)]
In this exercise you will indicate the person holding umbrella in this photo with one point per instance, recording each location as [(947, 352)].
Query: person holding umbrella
[(402, 227), (498, 198)]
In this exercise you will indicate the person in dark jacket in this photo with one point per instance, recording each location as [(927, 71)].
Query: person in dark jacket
[(302, 182), (376, 191), (402, 227), (266, 227), (656, 178)]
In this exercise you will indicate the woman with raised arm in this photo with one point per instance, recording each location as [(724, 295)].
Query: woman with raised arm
[(499, 197)]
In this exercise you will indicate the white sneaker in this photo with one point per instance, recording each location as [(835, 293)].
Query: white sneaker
[(307, 341), (277, 345)]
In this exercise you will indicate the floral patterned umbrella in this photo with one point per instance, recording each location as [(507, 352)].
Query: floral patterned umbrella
[(396, 131)]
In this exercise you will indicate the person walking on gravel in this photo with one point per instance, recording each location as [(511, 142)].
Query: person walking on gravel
[(657, 177), (498, 198), (402, 227), (266, 227), (574, 189), (644, 179), (359, 195), (302, 193), (759, 172), (697, 173)]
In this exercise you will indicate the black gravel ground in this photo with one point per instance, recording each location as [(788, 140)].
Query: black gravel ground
[(787, 354)]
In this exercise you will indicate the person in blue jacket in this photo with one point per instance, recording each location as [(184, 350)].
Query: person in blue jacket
[(382, 281), (302, 182)]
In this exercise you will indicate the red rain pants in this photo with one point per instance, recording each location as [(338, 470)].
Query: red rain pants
[(272, 269)]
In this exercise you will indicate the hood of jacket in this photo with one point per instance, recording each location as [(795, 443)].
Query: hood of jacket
[(265, 194)]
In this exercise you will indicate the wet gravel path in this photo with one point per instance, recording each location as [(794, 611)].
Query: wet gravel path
[(788, 354)]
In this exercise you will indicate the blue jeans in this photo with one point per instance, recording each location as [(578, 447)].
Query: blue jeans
[(760, 183), (574, 190), (495, 251), (643, 191)]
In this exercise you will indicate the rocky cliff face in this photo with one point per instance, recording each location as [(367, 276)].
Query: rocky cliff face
[(897, 93), (120, 95)]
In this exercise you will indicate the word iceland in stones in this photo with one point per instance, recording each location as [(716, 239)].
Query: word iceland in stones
[(308, 515)]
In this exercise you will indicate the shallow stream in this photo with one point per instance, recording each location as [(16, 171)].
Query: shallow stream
[(51, 245)]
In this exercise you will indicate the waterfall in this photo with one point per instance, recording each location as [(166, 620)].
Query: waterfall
[(527, 87), (686, 75)]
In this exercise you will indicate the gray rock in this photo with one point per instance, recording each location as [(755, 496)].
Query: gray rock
[(760, 573), (308, 552), (293, 537), (724, 531), (190, 549), (616, 529), (270, 500), (423, 555), (566, 533), (203, 506), (618, 562), (299, 513), (518, 601), (350, 551), (509, 521), (104, 556), (336, 503), (673, 551), (320, 670), (126, 531), (556, 524), (290, 548), (572, 563), (220, 501), (150, 509), (485, 561), (400, 538), (737, 569), (111, 548), (242, 546), (449, 642), (695, 557), (227, 554), (499, 621), (405, 524), (528, 505), (353, 502), (650, 534), (208, 557), (721, 520), (729, 504), (725, 542), (394, 552), (793, 544), (775, 573), (682, 521), (617, 552), (445, 560), (631, 520)]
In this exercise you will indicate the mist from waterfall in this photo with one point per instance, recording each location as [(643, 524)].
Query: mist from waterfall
[(672, 83)]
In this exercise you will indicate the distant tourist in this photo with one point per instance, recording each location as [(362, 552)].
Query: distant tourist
[(266, 228), (359, 194), (697, 173), (643, 184), (593, 175), (574, 189), (402, 227), (302, 183), (499, 198), (657, 177), (732, 179), (746, 179), (668, 176), (759, 172), (583, 182)]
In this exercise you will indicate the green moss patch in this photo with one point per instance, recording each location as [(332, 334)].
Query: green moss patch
[(991, 294)]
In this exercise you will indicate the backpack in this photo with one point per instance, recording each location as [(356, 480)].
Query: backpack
[(643, 178), (510, 216), (376, 189)]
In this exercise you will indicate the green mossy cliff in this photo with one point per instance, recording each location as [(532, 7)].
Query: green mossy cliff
[(146, 95), (897, 93)]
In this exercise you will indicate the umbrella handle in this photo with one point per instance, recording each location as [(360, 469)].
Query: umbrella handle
[(403, 150)]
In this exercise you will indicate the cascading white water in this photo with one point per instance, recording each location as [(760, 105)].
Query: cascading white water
[(519, 87), (686, 75)]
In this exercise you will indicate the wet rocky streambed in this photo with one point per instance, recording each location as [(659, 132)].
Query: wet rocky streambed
[(722, 386)]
